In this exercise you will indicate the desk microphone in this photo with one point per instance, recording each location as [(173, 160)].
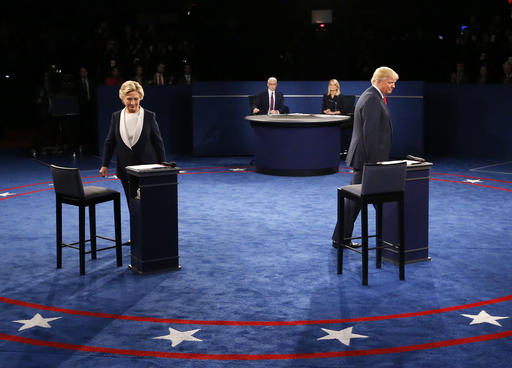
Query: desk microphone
[(414, 158), (170, 164)]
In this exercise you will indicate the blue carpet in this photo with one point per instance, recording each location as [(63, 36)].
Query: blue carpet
[(258, 279)]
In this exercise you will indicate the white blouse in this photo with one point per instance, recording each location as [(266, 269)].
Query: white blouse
[(131, 126)]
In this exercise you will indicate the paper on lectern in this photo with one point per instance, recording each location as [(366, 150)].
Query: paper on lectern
[(146, 167)]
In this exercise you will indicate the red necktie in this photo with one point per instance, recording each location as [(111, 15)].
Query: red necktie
[(272, 101), (385, 100), (160, 81)]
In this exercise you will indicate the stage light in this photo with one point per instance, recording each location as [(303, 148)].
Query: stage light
[(321, 16)]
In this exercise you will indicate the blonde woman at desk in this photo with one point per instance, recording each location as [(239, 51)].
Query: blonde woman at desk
[(332, 102)]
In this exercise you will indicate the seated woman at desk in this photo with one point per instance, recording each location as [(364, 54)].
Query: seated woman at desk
[(332, 102)]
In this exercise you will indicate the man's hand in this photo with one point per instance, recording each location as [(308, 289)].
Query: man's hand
[(104, 171)]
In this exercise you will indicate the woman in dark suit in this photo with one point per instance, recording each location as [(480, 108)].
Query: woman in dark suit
[(332, 102), (133, 135)]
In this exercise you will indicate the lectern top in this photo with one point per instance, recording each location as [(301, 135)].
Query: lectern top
[(151, 170)]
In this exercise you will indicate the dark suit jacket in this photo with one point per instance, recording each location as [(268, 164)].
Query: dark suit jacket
[(372, 131), (82, 92), (261, 102), (149, 149), (334, 104)]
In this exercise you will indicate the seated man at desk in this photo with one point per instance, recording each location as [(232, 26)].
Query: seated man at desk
[(269, 101)]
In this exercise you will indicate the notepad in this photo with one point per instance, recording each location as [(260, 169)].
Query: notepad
[(146, 167)]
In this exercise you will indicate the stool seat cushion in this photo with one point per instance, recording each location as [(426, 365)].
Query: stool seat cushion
[(354, 189), (92, 192)]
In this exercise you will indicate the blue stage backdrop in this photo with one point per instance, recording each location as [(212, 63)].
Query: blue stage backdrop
[(219, 108), (208, 119), (468, 120)]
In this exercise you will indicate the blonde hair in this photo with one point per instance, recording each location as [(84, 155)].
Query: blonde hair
[(130, 86), (338, 92), (383, 73)]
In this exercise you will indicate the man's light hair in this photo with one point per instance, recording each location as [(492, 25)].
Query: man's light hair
[(272, 79), (383, 73)]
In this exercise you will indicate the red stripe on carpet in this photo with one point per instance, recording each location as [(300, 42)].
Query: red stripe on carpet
[(254, 323), (333, 354)]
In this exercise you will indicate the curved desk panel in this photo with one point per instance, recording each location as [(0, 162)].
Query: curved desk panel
[(297, 144)]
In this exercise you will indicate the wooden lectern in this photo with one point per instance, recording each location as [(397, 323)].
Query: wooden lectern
[(153, 198)]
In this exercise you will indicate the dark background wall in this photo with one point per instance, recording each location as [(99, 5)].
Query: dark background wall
[(240, 41), (468, 120)]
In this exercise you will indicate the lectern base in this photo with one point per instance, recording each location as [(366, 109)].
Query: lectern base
[(296, 172), (395, 262), (157, 265)]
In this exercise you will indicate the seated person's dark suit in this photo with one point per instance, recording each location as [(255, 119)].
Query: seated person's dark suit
[(261, 102), (335, 103)]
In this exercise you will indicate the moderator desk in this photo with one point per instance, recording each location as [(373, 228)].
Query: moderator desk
[(297, 144)]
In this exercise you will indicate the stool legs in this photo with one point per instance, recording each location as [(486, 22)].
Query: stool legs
[(378, 251), (402, 237), (117, 224), (58, 218), (92, 229), (341, 232), (364, 230), (82, 238)]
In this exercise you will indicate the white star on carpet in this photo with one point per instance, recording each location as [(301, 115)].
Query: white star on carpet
[(36, 321), (484, 317), (237, 169), (342, 336), (473, 181), (177, 337), (6, 194)]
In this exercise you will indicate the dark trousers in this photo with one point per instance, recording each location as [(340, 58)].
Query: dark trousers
[(352, 210), (126, 187)]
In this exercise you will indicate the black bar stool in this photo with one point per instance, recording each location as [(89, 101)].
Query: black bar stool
[(70, 190), (380, 183)]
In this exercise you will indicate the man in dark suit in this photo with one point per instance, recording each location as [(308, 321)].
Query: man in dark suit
[(160, 78), (133, 135), (269, 101), (186, 78), (371, 138)]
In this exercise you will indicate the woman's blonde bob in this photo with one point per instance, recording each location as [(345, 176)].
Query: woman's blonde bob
[(130, 86)]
